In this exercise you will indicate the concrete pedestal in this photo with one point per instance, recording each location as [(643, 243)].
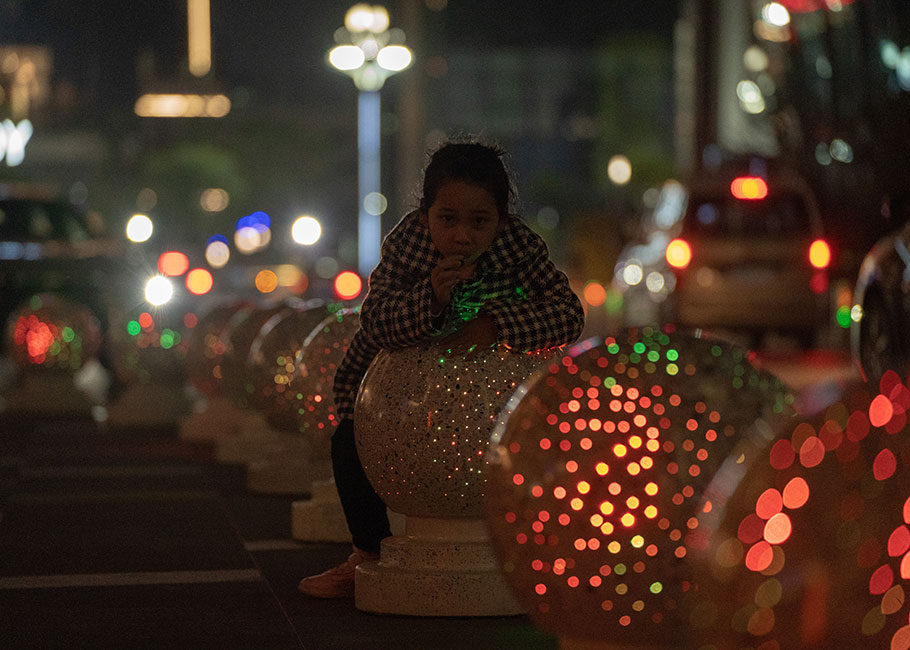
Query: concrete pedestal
[(147, 404), (440, 567), (213, 420), (286, 466), (320, 518), (252, 435), (49, 393)]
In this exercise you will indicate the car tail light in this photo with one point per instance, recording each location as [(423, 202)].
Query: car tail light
[(678, 253), (750, 188), (820, 254)]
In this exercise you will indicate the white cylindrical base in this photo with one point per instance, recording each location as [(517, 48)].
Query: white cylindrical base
[(49, 393), (286, 466), (320, 518), (440, 567), (213, 420), (252, 435), (147, 404)]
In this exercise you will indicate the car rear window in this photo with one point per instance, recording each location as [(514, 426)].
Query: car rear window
[(774, 216), (37, 221)]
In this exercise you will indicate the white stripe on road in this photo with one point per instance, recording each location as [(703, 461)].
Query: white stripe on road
[(272, 545), (130, 579)]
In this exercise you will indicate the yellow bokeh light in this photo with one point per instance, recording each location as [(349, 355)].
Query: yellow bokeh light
[(266, 281)]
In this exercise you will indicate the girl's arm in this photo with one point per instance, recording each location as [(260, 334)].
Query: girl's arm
[(548, 315), (396, 313)]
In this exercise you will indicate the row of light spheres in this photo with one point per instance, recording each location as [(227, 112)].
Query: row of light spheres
[(657, 490)]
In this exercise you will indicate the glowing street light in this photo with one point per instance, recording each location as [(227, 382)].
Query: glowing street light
[(368, 52)]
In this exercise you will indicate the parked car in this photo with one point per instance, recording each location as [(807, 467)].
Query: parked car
[(879, 332), (48, 246), (750, 255)]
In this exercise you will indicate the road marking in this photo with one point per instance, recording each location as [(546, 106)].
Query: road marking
[(272, 545), (115, 471), (130, 579), (111, 495)]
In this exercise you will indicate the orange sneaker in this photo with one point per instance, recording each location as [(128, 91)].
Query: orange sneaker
[(337, 582)]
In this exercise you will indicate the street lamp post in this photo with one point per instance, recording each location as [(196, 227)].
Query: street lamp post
[(369, 52)]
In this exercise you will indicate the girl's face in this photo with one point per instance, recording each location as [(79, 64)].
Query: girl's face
[(463, 220)]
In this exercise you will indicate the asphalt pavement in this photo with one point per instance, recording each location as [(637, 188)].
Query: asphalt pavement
[(131, 539)]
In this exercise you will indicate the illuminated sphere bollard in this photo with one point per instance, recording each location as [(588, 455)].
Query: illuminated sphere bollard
[(813, 547), (320, 518), (253, 433), (149, 353), (423, 420), (597, 475), (285, 465), (214, 413), (53, 343)]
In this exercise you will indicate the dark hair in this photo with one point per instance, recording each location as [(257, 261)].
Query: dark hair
[(470, 161)]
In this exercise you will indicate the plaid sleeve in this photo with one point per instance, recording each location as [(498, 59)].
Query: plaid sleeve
[(350, 372), (549, 313), (396, 311)]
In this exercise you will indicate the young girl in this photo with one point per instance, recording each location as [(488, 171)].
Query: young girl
[(461, 270)]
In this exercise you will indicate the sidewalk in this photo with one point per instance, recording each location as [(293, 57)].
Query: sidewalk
[(128, 540)]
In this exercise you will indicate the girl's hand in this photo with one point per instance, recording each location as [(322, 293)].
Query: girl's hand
[(445, 275)]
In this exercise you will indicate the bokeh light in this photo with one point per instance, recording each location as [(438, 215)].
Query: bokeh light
[(273, 362), (150, 348), (811, 549), (207, 345), (139, 228), (49, 331), (348, 285), (266, 281), (217, 251), (619, 169), (199, 281), (598, 478), (158, 290), (306, 230), (173, 263)]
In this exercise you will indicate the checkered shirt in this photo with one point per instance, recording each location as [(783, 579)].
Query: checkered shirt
[(515, 283)]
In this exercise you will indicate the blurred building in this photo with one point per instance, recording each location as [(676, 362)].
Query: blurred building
[(821, 85)]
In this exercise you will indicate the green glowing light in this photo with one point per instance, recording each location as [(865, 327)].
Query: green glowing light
[(672, 355), (842, 316), (167, 339), (610, 382), (613, 302), (639, 347), (133, 328), (613, 348), (68, 334), (656, 587), (716, 350), (653, 355)]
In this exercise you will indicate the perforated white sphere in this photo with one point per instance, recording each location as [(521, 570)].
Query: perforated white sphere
[(310, 387), (598, 475), (423, 421)]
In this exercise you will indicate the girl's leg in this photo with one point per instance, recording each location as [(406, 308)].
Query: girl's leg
[(364, 510)]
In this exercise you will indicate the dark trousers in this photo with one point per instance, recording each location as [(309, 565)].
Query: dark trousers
[(364, 510)]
